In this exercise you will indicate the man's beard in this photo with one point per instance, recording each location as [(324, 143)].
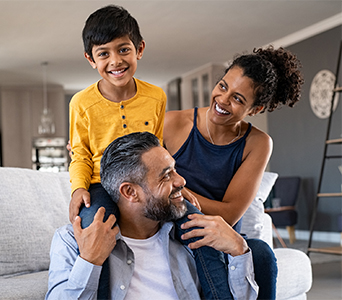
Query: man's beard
[(164, 210)]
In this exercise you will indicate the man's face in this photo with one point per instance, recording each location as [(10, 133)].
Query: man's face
[(164, 200)]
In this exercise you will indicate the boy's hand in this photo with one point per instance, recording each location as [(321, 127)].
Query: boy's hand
[(191, 198), (98, 240), (68, 146), (79, 197), (216, 233)]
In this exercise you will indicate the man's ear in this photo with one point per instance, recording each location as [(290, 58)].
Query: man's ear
[(256, 110), (90, 60), (140, 50), (129, 191)]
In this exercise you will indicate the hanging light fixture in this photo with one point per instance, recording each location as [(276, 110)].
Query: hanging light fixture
[(46, 125)]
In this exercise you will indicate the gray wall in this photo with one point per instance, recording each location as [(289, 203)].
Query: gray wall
[(21, 107), (299, 136)]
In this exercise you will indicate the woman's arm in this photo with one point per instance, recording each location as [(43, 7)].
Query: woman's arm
[(245, 183)]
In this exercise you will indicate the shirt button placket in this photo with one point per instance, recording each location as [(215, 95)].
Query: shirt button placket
[(123, 117)]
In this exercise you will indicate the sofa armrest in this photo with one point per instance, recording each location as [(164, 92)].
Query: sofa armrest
[(267, 234), (253, 221), (294, 274)]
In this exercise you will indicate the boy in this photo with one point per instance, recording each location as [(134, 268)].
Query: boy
[(116, 105)]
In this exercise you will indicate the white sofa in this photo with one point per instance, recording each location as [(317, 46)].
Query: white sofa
[(34, 204)]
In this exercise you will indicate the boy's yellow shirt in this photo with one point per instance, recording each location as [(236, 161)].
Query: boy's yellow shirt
[(95, 122)]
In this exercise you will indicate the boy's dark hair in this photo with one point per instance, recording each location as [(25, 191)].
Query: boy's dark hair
[(108, 23), (121, 161)]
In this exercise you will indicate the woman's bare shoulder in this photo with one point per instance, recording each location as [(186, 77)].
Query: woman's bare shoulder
[(257, 137), (177, 119), (177, 115), (258, 148), (177, 126)]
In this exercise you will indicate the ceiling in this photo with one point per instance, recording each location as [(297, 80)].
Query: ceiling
[(180, 35)]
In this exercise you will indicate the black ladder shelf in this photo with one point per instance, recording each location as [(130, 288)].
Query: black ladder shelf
[(331, 250)]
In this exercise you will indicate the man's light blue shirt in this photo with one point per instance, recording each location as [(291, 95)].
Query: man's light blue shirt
[(71, 277)]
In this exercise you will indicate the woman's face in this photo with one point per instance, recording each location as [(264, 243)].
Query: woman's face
[(232, 98)]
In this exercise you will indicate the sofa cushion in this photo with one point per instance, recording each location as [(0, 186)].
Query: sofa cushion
[(253, 219), (33, 204), (31, 286)]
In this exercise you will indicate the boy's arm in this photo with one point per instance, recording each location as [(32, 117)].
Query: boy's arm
[(81, 167), (160, 125)]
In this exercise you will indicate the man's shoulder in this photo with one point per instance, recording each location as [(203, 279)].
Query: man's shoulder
[(65, 234), (168, 231)]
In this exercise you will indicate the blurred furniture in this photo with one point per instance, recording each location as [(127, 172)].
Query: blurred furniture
[(284, 214), (34, 204), (49, 154), (294, 269)]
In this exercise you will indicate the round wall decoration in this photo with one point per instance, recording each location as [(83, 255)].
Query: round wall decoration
[(321, 92)]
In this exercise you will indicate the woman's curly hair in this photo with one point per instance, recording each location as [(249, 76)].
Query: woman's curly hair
[(276, 76)]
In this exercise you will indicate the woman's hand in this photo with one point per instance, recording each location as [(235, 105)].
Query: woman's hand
[(216, 233), (191, 198), (79, 197)]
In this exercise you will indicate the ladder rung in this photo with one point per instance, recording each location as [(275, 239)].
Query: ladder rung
[(329, 195), (333, 156), (334, 141), (337, 89)]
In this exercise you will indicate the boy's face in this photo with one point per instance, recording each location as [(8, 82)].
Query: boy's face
[(116, 61)]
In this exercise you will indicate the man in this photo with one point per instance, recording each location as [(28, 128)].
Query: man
[(145, 260)]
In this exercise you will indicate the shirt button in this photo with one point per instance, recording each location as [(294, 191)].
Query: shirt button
[(146, 123), (123, 117), (129, 261), (232, 268), (124, 125), (121, 106), (122, 287)]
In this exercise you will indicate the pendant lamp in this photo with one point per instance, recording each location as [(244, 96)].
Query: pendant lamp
[(46, 126)]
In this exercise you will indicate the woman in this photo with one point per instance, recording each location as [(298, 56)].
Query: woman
[(221, 156)]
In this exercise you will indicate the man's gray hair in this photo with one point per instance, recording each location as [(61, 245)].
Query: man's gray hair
[(121, 161)]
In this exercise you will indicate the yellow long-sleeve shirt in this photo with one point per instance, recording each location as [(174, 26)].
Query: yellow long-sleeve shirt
[(95, 122)]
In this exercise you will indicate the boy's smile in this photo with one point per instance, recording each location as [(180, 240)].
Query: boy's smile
[(116, 62)]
